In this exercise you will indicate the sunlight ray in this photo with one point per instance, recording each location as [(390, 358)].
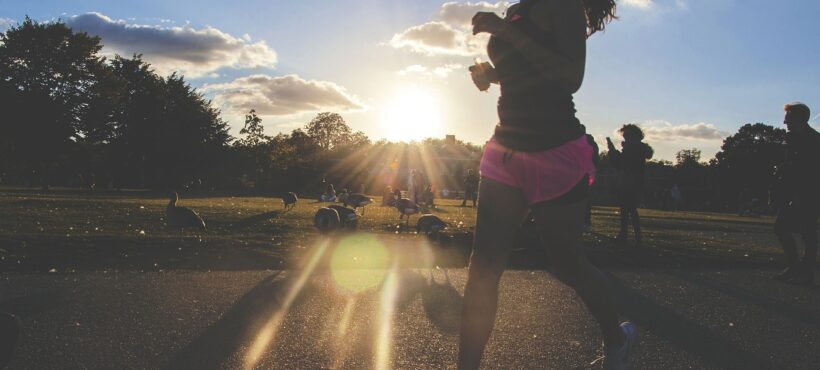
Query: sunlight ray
[(342, 342), (387, 306), (268, 332)]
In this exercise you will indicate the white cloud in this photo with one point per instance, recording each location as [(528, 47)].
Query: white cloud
[(656, 5), (282, 95), (439, 38), (440, 71), (193, 52), (6, 23), (642, 4), (461, 14), (665, 131), (450, 33)]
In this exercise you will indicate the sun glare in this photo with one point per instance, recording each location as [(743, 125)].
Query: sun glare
[(413, 113)]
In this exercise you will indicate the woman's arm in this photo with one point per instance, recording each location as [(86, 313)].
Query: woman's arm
[(562, 65), (613, 154)]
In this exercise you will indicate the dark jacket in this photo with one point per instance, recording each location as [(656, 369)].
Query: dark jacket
[(470, 182), (798, 177), (631, 161)]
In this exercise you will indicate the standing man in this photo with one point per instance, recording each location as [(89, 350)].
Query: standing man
[(631, 165), (470, 187), (795, 194)]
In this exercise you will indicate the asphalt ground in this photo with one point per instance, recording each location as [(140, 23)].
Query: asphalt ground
[(399, 318)]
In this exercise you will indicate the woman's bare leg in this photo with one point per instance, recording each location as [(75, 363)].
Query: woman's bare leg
[(501, 209), (559, 228)]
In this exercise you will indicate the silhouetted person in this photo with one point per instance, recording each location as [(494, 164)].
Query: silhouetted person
[(538, 160), (676, 196), (329, 195), (470, 188), (596, 157), (795, 195), (631, 164), (387, 197), (412, 186), (431, 196)]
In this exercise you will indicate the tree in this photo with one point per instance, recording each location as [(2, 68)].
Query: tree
[(747, 159), (329, 130), (254, 131), (51, 72), (687, 157)]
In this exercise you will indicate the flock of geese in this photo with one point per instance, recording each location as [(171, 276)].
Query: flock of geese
[(326, 219)]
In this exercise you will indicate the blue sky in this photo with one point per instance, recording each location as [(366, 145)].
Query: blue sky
[(689, 71)]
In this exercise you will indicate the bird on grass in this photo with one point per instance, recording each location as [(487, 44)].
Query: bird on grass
[(289, 200), (357, 200), (326, 220), (406, 207), (347, 217), (182, 217), (430, 224)]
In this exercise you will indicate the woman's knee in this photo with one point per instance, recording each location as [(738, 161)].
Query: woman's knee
[(488, 263), (782, 229)]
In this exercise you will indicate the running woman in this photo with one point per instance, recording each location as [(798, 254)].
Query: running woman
[(539, 160)]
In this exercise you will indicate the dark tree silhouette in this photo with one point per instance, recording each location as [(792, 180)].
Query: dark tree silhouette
[(747, 160), (51, 71), (329, 130), (254, 131), (687, 157)]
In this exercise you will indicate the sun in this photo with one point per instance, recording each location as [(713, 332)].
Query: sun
[(413, 113)]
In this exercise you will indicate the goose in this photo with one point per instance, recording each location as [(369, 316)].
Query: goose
[(357, 200), (326, 220), (430, 224), (347, 217), (289, 200), (182, 217), (406, 207)]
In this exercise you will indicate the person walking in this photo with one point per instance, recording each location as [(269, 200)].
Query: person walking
[(596, 157), (470, 188), (795, 195), (412, 186), (631, 165), (538, 160)]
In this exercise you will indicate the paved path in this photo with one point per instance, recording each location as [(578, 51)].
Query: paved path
[(699, 319)]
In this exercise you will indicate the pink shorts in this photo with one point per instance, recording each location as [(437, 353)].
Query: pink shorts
[(541, 176)]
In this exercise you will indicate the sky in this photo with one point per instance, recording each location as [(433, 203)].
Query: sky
[(690, 72)]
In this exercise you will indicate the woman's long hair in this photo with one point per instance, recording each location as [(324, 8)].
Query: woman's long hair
[(599, 13)]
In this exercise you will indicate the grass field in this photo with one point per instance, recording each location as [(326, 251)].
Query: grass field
[(69, 229)]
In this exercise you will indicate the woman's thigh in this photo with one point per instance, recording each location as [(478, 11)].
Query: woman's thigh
[(501, 209), (560, 227)]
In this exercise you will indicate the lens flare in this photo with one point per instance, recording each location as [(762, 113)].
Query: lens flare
[(387, 305), (268, 333), (359, 263)]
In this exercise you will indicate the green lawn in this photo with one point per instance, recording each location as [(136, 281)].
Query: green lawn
[(69, 229)]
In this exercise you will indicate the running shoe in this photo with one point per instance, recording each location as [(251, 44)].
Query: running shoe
[(620, 359), (787, 274)]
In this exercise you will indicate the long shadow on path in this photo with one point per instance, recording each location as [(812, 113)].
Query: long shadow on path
[(785, 309), (220, 342), (684, 333), (316, 341)]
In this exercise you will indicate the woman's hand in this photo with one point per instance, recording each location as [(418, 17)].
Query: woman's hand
[(489, 22), (482, 75)]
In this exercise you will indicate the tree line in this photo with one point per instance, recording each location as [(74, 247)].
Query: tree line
[(71, 116), (739, 178)]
